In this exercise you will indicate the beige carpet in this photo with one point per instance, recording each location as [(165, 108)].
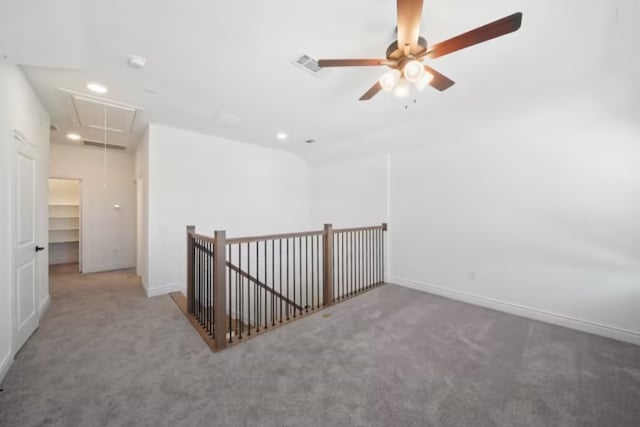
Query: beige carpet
[(105, 355)]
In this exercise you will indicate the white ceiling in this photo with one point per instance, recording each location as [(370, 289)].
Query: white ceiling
[(210, 58)]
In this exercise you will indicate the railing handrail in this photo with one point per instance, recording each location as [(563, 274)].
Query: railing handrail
[(203, 237), (252, 239), (372, 227)]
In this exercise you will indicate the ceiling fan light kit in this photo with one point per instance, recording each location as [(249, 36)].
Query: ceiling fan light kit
[(423, 81), (413, 70), (406, 55), (402, 89), (389, 80)]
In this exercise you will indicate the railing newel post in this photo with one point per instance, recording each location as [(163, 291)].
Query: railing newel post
[(190, 267), (219, 289), (384, 228), (327, 260)]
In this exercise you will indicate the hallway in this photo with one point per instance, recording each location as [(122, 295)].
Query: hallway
[(105, 355)]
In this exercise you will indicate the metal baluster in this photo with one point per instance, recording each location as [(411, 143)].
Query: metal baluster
[(365, 257), (382, 256), (249, 288), (355, 262), (342, 277), (210, 286), (369, 256), (197, 296), (200, 284), (280, 270), (229, 288), (266, 284), (238, 297), (300, 271), (349, 265), (257, 301), (334, 272), (207, 286), (360, 251), (295, 301), (273, 282), (378, 256), (241, 287), (318, 268), (313, 273), (365, 239), (288, 308), (306, 273), (358, 260)]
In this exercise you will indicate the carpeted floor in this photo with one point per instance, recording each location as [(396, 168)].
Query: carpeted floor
[(105, 355)]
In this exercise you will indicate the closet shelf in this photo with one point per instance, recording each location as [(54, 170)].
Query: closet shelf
[(65, 229), (64, 241)]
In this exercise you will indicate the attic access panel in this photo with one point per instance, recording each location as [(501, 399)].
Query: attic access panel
[(90, 112)]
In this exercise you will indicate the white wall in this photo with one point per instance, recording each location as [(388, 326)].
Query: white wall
[(109, 234), (539, 219), (20, 110), (215, 183), (537, 216), (351, 193)]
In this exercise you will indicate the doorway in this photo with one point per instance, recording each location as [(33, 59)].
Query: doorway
[(65, 225)]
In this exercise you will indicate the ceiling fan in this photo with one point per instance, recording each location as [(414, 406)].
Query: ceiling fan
[(405, 55)]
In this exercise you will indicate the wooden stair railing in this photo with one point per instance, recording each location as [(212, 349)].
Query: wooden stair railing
[(250, 278), (288, 276)]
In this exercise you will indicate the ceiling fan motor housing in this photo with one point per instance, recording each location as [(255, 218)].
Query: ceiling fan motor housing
[(396, 53)]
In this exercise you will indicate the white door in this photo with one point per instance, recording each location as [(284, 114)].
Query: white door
[(25, 273)]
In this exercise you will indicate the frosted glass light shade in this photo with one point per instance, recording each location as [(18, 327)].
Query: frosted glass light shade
[(402, 89), (424, 80), (389, 80), (413, 70)]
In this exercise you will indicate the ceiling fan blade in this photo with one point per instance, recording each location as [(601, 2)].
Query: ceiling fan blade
[(439, 81), (353, 62), (490, 31), (371, 92), (409, 15)]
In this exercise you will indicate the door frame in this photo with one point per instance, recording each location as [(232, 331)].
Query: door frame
[(81, 220)]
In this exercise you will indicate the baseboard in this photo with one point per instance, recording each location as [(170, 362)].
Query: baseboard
[(5, 365), (107, 267), (519, 310), (167, 289), (44, 306)]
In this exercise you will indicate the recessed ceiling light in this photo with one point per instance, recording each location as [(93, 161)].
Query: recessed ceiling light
[(282, 136), (74, 136), (97, 88)]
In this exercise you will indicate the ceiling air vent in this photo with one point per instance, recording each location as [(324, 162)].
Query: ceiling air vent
[(310, 65), (101, 145)]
